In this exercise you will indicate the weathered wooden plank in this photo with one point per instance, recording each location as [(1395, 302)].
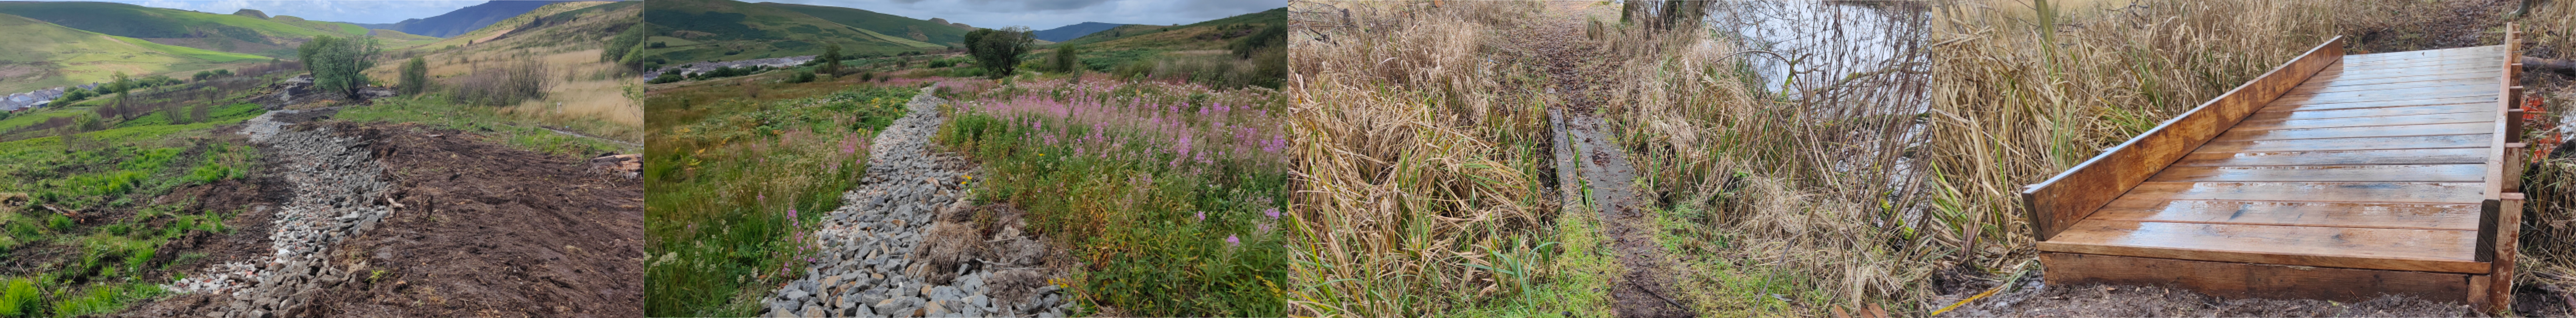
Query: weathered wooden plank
[(2426, 77), (2458, 51), (2447, 251), (2342, 157), (2369, 112), (2404, 70), (2241, 280), (2411, 192), (2394, 102), (2309, 89), (2462, 217), (2356, 132), (2063, 200), (2379, 95), (2387, 64), (2362, 143), (2398, 173), (2428, 119)]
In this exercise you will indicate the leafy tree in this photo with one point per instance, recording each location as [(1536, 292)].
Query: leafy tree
[(832, 60), (1068, 59), (338, 63), (124, 88), (415, 76), (202, 75), (998, 50)]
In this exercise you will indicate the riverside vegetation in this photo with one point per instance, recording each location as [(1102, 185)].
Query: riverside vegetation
[(1153, 196)]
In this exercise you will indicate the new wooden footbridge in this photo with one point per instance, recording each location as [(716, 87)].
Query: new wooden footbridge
[(2331, 177)]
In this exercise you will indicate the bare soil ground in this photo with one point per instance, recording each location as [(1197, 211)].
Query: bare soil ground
[(493, 232), (483, 231)]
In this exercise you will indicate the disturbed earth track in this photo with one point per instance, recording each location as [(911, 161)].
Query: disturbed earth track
[(905, 242), (484, 230), (1581, 81)]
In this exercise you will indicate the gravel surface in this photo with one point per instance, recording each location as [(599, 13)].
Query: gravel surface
[(337, 186), (902, 244)]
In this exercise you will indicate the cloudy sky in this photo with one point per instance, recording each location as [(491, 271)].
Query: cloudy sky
[(1048, 14), (334, 10), (1035, 14)]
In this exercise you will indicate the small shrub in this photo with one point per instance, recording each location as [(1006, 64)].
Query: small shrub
[(801, 77), (59, 222), (18, 299), (501, 86)]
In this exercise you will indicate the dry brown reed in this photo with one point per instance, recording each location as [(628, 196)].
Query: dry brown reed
[(1802, 172), (1416, 156), (2549, 219)]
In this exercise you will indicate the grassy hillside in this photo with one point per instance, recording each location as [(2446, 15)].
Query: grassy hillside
[(580, 91), (881, 23), (274, 37), (463, 20), (43, 55), (1118, 32), (727, 30), (1210, 34)]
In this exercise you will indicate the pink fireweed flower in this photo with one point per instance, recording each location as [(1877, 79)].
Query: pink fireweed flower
[(1272, 212), (1230, 241), (1202, 215)]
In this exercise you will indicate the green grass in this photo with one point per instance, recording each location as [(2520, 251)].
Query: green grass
[(729, 171), (513, 131)]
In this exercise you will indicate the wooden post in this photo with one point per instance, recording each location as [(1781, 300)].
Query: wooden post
[(2509, 227)]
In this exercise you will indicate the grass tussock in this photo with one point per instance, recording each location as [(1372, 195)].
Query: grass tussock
[(1418, 158)]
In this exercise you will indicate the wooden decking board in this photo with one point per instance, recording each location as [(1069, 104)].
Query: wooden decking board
[(2303, 90), (2388, 64), (2361, 143), (2389, 173), (2377, 172), (2340, 82), (2380, 95), (2338, 157), (2406, 192), (2278, 106), (2461, 217), (2464, 51), (2370, 112), (2392, 120), (2356, 132), (2243, 280), (2347, 247)]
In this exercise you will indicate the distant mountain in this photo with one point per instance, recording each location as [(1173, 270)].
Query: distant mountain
[(463, 19), (1069, 32), (1210, 34), (725, 30), (934, 31), (245, 33)]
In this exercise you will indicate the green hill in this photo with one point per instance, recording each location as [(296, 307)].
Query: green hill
[(43, 55), (274, 37), (888, 24), (528, 25), (725, 30), (1204, 35)]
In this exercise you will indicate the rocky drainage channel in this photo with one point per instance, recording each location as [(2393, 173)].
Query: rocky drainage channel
[(898, 247), (337, 186)]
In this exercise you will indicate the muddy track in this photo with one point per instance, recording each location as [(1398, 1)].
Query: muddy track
[(1579, 78), (906, 243)]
